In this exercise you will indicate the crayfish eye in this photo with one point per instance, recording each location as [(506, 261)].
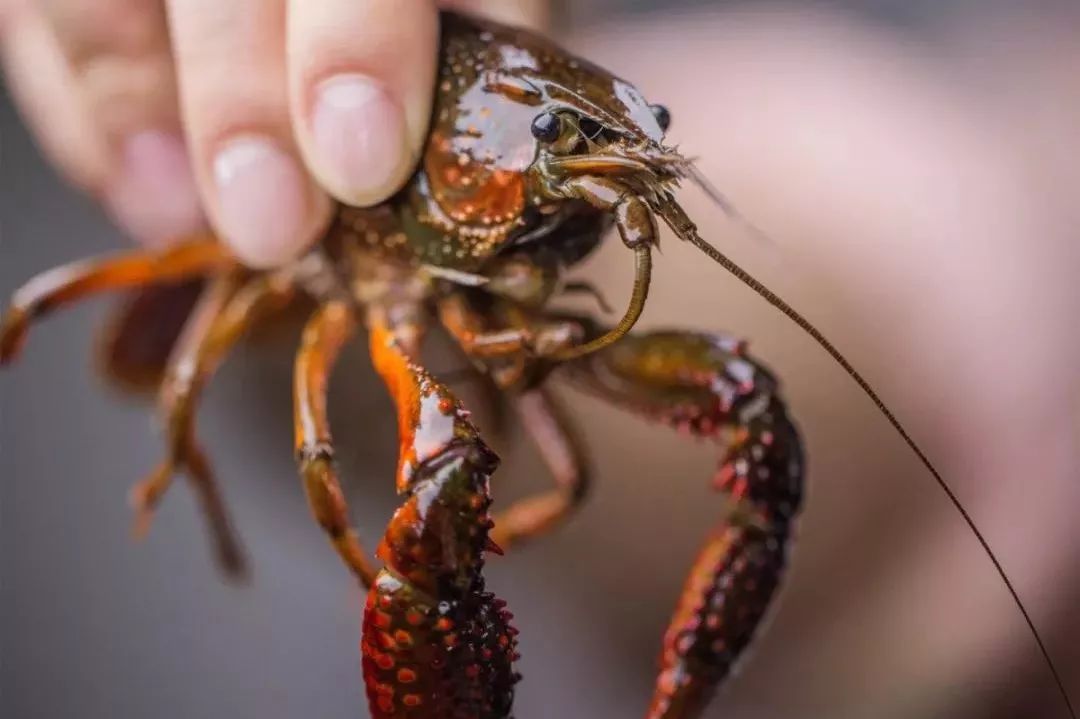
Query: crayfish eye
[(546, 127), (663, 117)]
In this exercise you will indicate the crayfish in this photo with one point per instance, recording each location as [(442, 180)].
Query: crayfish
[(532, 155)]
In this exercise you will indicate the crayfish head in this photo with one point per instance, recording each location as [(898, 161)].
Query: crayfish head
[(600, 141), (518, 125), (605, 130)]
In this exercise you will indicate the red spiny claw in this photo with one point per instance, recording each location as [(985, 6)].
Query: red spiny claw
[(13, 327), (740, 567), (435, 643), (706, 385), (437, 660), (728, 591)]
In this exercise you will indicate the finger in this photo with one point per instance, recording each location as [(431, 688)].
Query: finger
[(361, 75), (107, 107), (231, 65), (42, 86)]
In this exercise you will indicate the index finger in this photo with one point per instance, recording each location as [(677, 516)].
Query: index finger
[(361, 79), (361, 74)]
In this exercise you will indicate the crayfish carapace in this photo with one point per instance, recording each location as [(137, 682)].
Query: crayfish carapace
[(532, 154)]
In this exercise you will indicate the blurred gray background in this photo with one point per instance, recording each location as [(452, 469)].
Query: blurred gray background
[(890, 611)]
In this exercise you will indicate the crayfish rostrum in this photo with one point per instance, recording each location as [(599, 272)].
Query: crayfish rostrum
[(532, 155)]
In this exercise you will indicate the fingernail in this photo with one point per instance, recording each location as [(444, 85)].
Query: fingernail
[(153, 196), (359, 139), (264, 201)]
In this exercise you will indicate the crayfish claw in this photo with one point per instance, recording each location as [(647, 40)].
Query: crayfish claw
[(491, 546)]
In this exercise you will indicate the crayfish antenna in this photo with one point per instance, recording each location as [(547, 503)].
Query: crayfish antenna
[(686, 230)]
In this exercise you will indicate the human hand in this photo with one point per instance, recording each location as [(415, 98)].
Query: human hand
[(248, 114)]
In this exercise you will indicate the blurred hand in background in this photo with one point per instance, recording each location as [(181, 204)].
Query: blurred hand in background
[(922, 188), (253, 112)]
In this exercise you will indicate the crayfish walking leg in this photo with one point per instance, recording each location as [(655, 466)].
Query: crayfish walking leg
[(79, 280), (435, 643), (194, 357), (324, 336), (552, 432), (497, 341), (231, 303), (707, 386)]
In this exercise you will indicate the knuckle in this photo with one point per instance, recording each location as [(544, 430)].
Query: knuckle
[(123, 93), (89, 29), (119, 58)]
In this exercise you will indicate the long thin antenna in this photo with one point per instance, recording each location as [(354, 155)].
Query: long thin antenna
[(686, 230)]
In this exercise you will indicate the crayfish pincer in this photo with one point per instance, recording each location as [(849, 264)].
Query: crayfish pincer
[(531, 156), (435, 643)]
